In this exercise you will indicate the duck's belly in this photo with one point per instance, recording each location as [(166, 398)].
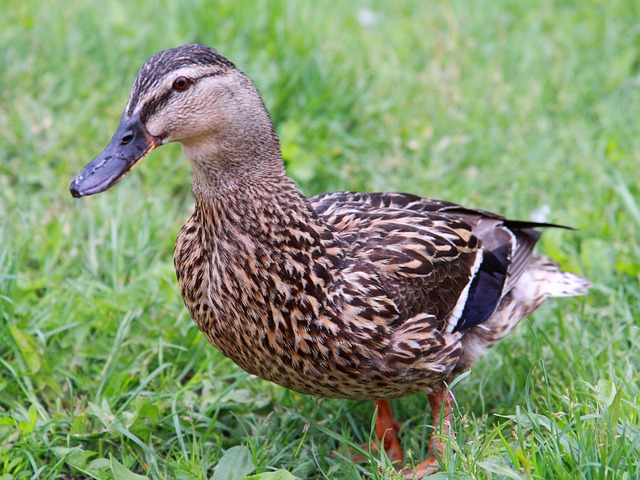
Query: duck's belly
[(352, 377)]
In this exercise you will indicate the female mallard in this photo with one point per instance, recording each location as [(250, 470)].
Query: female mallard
[(345, 295)]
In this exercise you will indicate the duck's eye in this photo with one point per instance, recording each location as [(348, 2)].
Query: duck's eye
[(181, 83)]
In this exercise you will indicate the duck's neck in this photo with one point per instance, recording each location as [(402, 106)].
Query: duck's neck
[(239, 178), (262, 207), (233, 186)]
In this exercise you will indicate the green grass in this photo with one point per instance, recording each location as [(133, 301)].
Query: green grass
[(509, 106)]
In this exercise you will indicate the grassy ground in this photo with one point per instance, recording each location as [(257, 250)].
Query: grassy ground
[(517, 107)]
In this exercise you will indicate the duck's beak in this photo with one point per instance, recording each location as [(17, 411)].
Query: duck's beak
[(129, 145)]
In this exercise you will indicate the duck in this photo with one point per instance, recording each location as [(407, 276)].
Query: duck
[(352, 295)]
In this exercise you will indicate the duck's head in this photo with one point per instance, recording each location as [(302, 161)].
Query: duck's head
[(192, 95)]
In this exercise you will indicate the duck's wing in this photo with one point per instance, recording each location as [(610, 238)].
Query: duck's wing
[(434, 257)]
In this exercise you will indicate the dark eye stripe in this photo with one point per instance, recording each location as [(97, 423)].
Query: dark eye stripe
[(153, 105), (156, 104)]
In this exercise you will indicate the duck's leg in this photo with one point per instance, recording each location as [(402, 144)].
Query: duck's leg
[(387, 430), (441, 418), (441, 404)]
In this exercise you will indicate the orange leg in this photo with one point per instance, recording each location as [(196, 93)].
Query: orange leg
[(387, 430), (441, 404)]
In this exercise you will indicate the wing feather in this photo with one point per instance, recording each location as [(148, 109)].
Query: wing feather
[(453, 263)]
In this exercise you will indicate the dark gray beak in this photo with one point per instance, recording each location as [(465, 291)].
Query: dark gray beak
[(129, 145)]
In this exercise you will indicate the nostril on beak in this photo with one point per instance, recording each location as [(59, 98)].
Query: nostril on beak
[(126, 139)]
